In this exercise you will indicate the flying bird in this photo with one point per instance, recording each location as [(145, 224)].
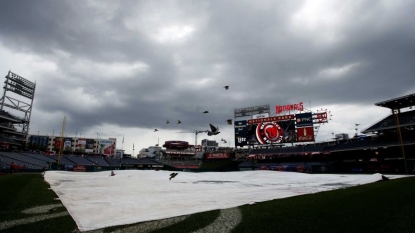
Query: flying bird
[(173, 175), (229, 121), (226, 87), (156, 130), (167, 121), (179, 122), (206, 112), (213, 130)]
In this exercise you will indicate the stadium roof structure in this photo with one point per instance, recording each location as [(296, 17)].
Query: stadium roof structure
[(406, 119), (398, 103)]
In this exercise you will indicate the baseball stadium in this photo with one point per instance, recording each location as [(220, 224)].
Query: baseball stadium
[(277, 178)]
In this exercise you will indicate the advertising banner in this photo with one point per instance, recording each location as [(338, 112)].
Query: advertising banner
[(305, 134), (270, 132), (270, 119), (288, 168), (249, 111), (304, 119), (57, 144), (41, 141), (257, 116), (67, 144), (89, 146), (79, 168), (320, 117), (240, 133), (106, 147), (81, 145), (224, 155)]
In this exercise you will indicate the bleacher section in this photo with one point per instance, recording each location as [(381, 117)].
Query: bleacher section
[(113, 162), (7, 159), (98, 161), (42, 157), (129, 161), (79, 160), (352, 145), (36, 161), (405, 119), (64, 160)]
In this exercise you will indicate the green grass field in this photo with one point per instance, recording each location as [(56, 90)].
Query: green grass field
[(387, 206)]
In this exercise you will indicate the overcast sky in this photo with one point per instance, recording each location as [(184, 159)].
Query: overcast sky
[(117, 68)]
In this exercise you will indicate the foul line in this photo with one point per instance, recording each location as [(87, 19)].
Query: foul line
[(153, 225), (8, 224), (226, 221)]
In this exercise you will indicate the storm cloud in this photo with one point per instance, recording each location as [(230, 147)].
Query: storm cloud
[(119, 68)]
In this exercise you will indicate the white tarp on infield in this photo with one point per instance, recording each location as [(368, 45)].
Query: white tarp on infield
[(97, 200)]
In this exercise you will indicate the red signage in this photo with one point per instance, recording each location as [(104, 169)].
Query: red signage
[(57, 142), (289, 107), (305, 134), (320, 117), (79, 168), (271, 119), (224, 155), (198, 148)]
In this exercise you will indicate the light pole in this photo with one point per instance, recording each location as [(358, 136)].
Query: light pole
[(97, 144), (357, 129)]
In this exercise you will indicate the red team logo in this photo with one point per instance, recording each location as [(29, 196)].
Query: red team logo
[(269, 132)]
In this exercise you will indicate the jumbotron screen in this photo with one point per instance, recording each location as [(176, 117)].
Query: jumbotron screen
[(271, 132), (264, 133)]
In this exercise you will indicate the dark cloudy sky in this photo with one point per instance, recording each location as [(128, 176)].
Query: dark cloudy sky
[(117, 68)]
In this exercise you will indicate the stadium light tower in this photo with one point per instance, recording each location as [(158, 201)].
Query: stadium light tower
[(24, 88)]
